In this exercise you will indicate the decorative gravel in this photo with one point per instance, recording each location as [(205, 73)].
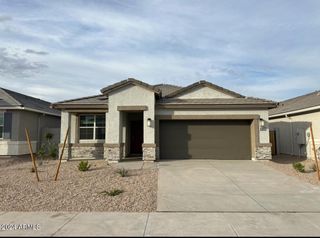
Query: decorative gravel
[(75, 190), (284, 163)]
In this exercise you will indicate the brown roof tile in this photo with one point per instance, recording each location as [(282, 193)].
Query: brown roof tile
[(298, 103)]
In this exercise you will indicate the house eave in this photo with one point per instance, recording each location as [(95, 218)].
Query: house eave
[(294, 112), (30, 110)]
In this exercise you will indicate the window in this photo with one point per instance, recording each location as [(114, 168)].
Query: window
[(1, 125), (92, 127)]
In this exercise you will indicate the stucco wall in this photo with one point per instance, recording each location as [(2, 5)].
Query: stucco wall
[(288, 133), (34, 122), (204, 92), (130, 96), (263, 134), (69, 120)]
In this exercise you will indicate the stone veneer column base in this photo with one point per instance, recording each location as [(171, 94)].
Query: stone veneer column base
[(82, 151), (112, 153), (263, 152), (149, 152)]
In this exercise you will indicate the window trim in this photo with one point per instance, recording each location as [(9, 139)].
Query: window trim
[(2, 134), (94, 127)]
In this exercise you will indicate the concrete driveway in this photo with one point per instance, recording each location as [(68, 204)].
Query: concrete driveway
[(231, 186)]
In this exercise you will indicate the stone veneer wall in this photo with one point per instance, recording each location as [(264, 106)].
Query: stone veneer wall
[(149, 152), (82, 151), (113, 152), (263, 152)]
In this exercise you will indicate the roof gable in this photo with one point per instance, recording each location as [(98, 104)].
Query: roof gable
[(7, 99), (207, 89), (128, 82)]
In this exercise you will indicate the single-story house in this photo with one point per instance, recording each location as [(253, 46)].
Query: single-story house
[(133, 118), (17, 112), (290, 122)]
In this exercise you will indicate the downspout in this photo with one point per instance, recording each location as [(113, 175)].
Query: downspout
[(291, 131)]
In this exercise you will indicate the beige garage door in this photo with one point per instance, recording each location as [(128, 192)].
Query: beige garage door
[(202, 139)]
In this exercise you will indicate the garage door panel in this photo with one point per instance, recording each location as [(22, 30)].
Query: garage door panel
[(215, 139)]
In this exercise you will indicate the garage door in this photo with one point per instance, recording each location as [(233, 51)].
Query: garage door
[(201, 139)]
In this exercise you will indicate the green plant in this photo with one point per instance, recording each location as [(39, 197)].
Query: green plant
[(123, 172), (298, 167), (49, 136), (48, 149), (84, 165), (113, 192)]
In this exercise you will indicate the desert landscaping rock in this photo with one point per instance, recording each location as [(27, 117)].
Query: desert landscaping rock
[(75, 190), (284, 163)]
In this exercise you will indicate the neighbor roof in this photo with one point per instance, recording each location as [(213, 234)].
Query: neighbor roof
[(307, 101), (11, 99)]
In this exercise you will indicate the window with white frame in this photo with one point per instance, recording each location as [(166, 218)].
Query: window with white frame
[(92, 127), (1, 125)]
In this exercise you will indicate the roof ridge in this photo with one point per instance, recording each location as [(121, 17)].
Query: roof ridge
[(301, 96), (24, 95), (167, 84), (207, 83)]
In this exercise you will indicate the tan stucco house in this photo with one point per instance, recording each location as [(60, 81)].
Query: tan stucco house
[(19, 111), (133, 118), (290, 122)]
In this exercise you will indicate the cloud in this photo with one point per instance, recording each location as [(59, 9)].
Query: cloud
[(4, 18), (30, 51), (14, 65), (258, 48)]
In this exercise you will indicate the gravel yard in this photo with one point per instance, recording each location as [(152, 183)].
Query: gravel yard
[(284, 163), (75, 190)]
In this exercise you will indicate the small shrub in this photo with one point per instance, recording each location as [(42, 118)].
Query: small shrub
[(113, 192), (298, 167), (49, 136), (123, 172), (84, 166)]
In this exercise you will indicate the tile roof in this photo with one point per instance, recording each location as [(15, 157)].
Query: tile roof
[(204, 83), (10, 98), (96, 99), (218, 101), (166, 89), (298, 103)]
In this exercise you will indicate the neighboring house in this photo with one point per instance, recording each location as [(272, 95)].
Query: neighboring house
[(17, 112), (291, 121), (132, 118)]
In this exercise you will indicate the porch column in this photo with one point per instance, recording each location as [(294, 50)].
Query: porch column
[(112, 146), (149, 146), (65, 123)]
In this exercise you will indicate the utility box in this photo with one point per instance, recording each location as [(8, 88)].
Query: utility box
[(301, 136)]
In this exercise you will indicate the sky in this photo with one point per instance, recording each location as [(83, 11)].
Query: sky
[(64, 49)]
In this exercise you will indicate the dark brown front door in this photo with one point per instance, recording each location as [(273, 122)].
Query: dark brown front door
[(136, 137)]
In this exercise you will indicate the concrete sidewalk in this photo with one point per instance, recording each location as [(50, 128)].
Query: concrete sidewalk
[(163, 224)]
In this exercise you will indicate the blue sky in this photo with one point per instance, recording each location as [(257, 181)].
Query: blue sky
[(64, 49)]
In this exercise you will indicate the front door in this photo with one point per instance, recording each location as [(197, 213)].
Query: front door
[(136, 137)]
